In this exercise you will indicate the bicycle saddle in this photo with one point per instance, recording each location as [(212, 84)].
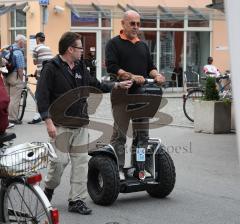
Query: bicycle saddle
[(5, 137)]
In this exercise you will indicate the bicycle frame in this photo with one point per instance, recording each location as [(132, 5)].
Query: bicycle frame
[(23, 100)]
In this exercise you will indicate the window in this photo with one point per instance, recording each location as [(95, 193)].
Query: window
[(171, 55), (198, 45), (171, 24), (18, 23), (198, 23), (150, 38), (86, 19)]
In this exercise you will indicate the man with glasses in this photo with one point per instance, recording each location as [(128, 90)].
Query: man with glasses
[(128, 58), (65, 74)]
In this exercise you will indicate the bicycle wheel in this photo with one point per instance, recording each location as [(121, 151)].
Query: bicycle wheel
[(22, 105), (188, 102), (24, 203)]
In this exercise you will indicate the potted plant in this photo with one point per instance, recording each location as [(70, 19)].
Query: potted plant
[(212, 114)]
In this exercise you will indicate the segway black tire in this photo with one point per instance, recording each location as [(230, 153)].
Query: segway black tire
[(166, 176), (103, 169)]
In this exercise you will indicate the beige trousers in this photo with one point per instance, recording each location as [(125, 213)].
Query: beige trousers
[(14, 86), (70, 145)]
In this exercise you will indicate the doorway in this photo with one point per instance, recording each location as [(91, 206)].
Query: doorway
[(89, 54)]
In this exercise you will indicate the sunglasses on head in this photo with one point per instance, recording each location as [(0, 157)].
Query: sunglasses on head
[(134, 23)]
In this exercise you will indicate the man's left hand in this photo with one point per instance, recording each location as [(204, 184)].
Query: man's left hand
[(125, 84), (159, 79)]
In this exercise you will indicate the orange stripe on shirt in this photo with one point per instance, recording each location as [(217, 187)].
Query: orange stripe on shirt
[(124, 37)]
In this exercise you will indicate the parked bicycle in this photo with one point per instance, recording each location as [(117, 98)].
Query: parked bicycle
[(21, 198), (197, 92), (24, 94)]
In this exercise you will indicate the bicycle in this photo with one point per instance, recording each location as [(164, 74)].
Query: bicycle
[(24, 94), (21, 198), (197, 93)]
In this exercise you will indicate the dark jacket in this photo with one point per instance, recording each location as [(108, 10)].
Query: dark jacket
[(56, 84)]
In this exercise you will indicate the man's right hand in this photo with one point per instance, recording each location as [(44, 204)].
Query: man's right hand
[(51, 129), (138, 79), (125, 76)]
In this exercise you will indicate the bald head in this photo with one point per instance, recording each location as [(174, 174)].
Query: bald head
[(131, 24), (129, 14)]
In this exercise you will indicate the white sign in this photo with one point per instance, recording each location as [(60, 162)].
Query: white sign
[(32, 43), (222, 48)]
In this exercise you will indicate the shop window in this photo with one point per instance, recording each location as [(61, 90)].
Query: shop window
[(150, 37), (106, 22), (198, 49), (171, 24), (171, 56), (198, 23), (18, 23), (106, 36), (149, 23), (86, 19)]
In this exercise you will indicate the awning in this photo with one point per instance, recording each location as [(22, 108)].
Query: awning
[(165, 13), (5, 8)]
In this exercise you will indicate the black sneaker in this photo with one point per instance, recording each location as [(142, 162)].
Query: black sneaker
[(35, 121), (79, 207), (49, 193)]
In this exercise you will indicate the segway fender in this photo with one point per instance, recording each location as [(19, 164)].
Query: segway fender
[(106, 151)]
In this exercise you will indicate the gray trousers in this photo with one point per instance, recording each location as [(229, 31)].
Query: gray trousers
[(140, 132), (70, 145), (14, 86)]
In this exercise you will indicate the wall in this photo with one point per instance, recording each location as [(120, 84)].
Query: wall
[(57, 24), (220, 50), (5, 35)]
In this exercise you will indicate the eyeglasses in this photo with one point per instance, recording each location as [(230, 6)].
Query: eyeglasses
[(80, 48), (134, 23)]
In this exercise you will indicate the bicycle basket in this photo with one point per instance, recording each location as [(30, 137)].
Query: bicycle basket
[(23, 159)]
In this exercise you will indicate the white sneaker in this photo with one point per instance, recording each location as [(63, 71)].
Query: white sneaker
[(147, 174), (130, 172), (121, 175), (3, 69), (10, 125)]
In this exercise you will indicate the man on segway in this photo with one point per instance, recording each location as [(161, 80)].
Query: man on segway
[(128, 58)]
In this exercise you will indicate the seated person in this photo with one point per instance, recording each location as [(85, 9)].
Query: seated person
[(210, 69)]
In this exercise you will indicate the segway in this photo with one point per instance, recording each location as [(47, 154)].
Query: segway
[(104, 183)]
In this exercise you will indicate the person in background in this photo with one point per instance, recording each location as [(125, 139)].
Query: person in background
[(210, 69), (41, 53), (14, 81), (91, 62)]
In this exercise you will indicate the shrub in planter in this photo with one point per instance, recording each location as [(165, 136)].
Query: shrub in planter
[(211, 114), (211, 92)]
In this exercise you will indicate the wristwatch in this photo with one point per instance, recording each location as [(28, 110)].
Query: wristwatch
[(117, 85)]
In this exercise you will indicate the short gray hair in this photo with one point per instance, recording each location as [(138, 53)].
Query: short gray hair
[(20, 37)]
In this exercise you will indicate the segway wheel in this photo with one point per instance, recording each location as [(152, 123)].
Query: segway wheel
[(166, 176), (103, 180)]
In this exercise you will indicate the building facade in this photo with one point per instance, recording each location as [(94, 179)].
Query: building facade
[(181, 34)]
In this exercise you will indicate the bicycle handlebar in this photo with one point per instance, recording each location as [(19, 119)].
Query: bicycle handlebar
[(149, 81)]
